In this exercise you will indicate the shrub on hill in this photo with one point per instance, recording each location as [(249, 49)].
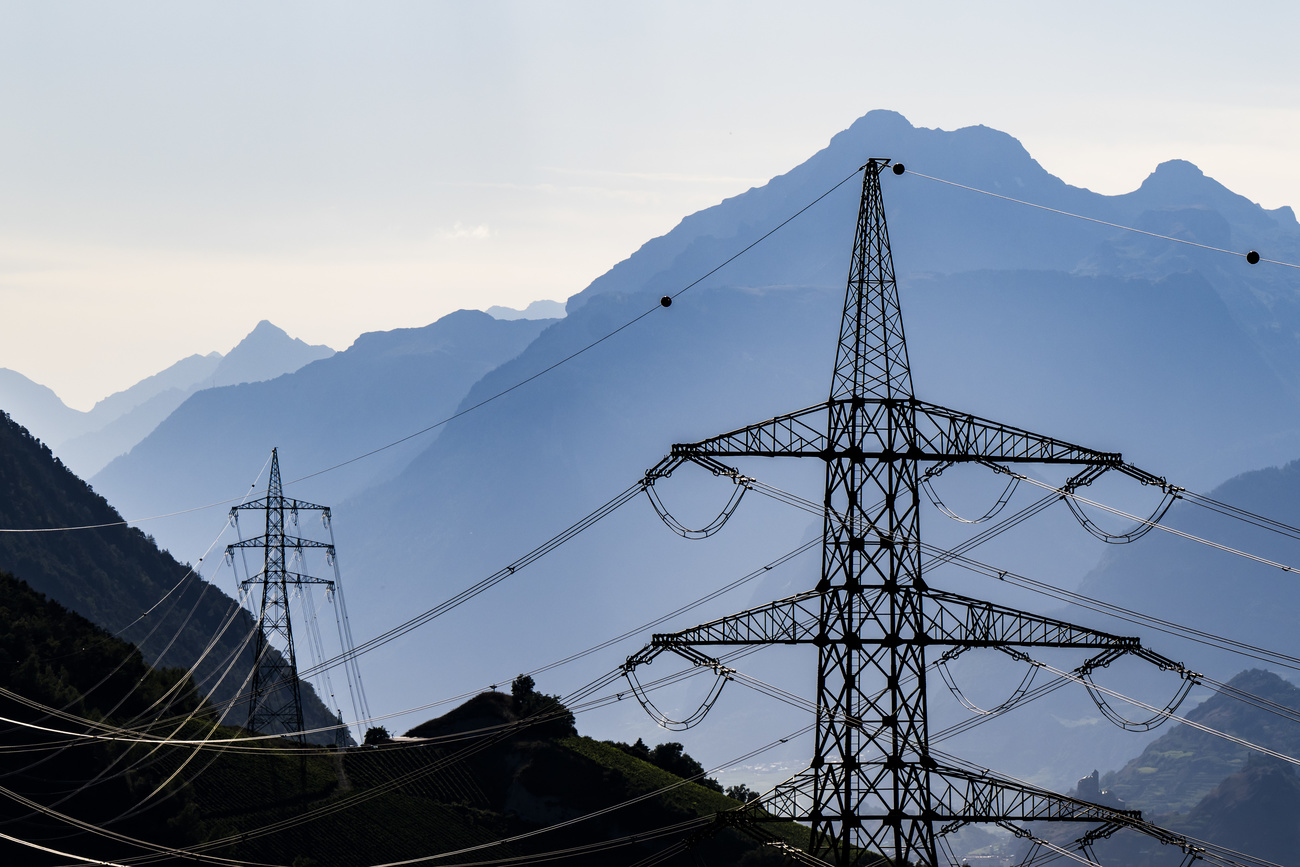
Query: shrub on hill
[(672, 758)]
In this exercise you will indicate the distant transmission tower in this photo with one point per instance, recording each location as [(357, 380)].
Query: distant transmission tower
[(874, 787), (275, 701)]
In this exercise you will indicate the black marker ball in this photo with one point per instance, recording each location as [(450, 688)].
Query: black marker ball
[(666, 301), (898, 168), (1252, 257)]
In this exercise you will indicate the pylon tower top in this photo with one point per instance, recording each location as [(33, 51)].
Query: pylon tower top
[(871, 360), (275, 694), (873, 786)]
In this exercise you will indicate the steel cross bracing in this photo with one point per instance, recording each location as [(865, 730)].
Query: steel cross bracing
[(275, 697), (873, 787)]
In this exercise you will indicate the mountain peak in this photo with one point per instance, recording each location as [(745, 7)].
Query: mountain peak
[(266, 330), (1179, 183), (1178, 169), (265, 353)]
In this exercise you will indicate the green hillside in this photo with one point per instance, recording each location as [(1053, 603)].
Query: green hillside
[(63, 682), (1183, 765), (1211, 789), (480, 781)]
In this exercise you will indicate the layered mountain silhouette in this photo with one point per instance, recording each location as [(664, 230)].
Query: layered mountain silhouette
[(1182, 357), (1011, 314), (86, 441), (385, 386)]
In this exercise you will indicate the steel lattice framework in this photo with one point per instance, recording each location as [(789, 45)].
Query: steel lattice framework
[(275, 698), (873, 787)]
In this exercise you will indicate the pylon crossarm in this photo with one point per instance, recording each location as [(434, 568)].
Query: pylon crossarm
[(290, 542), (959, 621), (648, 653), (290, 578), (944, 434), (798, 434), (669, 463), (290, 505), (959, 795), (789, 801), (941, 434), (792, 620)]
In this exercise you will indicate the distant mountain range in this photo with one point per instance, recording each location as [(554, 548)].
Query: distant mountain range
[(1068, 328), (1185, 359), (382, 388), (86, 441)]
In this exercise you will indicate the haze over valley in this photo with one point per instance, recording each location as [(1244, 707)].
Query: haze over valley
[(1128, 323)]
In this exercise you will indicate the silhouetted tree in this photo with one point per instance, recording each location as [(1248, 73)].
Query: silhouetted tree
[(549, 716), (741, 792)]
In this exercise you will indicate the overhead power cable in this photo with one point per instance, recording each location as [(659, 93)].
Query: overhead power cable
[(609, 642), (1168, 714), (480, 740), (1155, 524), (470, 592), (1251, 256), (605, 810), (660, 305)]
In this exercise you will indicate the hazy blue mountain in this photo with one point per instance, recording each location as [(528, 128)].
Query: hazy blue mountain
[(38, 408), (185, 375), (1070, 328), (119, 421), (87, 441), (385, 386), (1184, 765), (535, 310), (267, 352)]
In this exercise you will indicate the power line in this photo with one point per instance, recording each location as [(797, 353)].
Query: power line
[(487, 400), (1252, 256)]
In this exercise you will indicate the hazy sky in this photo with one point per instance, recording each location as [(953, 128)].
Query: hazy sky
[(171, 173)]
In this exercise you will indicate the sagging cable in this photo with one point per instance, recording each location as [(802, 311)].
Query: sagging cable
[(1096, 693), (1014, 699), (997, 507), (665, 469), (646, 656), (1144, 526)]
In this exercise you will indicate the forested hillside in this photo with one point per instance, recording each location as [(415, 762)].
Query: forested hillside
[(67, 542)]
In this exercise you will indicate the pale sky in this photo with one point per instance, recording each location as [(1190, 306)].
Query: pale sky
[(171, 173)]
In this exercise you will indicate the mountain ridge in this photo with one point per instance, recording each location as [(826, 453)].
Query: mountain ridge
[(1091, 353), (88, 440)]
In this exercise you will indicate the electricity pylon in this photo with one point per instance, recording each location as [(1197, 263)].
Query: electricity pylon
[(874, 788), (275, 699)]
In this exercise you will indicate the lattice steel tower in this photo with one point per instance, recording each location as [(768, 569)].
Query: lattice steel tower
[(275, 699), (873, 786)]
